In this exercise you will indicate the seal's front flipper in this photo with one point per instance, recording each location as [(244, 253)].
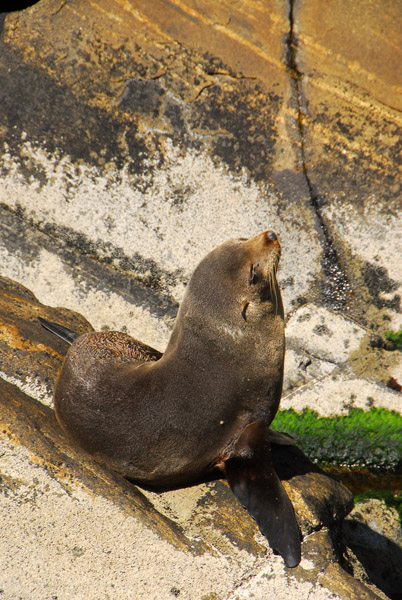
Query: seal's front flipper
[(65, 334), (253, 480)]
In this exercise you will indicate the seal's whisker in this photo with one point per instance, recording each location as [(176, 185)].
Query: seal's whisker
[(272, 285)]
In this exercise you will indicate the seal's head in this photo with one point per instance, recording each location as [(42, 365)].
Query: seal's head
[(237, 280), (232, 303), (263, 253)]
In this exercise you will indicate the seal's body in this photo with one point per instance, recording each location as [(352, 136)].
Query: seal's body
[(207, 402)]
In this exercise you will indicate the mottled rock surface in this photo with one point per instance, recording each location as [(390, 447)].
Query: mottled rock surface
[(135, 137), (204, 526)]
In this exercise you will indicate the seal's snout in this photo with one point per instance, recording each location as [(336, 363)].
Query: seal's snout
[(270, 236)]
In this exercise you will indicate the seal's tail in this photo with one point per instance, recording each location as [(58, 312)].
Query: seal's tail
[(65, 334)]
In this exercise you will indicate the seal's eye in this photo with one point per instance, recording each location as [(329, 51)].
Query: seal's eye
[(253, 275)]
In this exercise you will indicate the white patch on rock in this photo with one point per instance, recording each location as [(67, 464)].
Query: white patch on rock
[(338, 393), (174, 216), (396, 371), (32, 387), (271, 581), (307, 564), (300, 368), (324, 334), (51, 282)]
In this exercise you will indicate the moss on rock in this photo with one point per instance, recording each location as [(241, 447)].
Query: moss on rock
[(370, 439)]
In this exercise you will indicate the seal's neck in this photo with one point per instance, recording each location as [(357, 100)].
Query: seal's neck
[(203, 337)]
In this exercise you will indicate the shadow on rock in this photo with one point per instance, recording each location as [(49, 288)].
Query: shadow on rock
[(379, 557), (318, 499)]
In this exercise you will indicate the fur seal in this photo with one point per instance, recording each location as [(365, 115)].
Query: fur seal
[(207, 402)]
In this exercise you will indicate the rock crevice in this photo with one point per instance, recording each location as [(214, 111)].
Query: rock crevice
[(336, 287)]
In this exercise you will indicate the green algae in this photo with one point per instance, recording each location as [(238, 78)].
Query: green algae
[(370, 439), (395, 337)]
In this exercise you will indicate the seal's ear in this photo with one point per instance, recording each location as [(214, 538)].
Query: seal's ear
[(244, 309), (253, 480)]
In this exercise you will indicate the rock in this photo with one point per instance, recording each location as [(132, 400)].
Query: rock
[(302, 367), (339, 392), (373, 536), (339, 582), (23, 341), (329, 579), (208, 140), (350, 122), (319, 501), (317, 340), (323, 334), (133, 142), (198, 114), (204, 521), (111, 298)]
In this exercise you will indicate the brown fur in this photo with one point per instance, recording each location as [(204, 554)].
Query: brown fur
[(167, 421)]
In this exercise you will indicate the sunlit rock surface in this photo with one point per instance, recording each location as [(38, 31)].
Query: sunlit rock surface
[(135, 137)]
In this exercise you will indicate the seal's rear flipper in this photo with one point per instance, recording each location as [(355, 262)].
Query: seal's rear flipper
[(253, 480), (65, 334), (280, 438)]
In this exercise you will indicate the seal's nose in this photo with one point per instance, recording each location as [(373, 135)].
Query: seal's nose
[(271, 236)]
